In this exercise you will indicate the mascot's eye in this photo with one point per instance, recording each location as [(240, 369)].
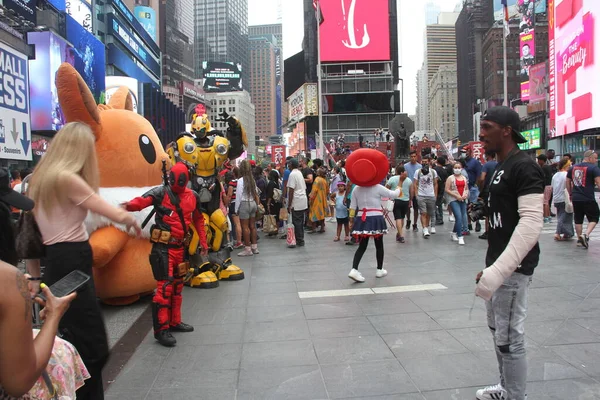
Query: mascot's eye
[(147, 149), (189, 148), (222, 149)]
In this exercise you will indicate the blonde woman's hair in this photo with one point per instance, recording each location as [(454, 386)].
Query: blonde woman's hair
[(72, 151)]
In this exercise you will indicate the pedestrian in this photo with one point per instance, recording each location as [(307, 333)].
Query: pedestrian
[(411, 168), (64, 186), (402, 202), (514, 207), (297, 200), (318, 202), (426, 188), (246, 207), (581, 180), (564, 227), (442, 171), (457, 195), (542, 162), (366, 168), (360, 140), (231, 179), (341, 213), (473, 168), (274, 197), (484, 180)]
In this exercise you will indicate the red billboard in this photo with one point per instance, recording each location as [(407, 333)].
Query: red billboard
[(355, 30), (537, 83), (574, 72), (278, 154)]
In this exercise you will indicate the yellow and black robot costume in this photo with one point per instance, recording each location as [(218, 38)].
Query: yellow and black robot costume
[(205, 151)]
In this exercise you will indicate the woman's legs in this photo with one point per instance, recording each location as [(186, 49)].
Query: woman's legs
[(246, 231), (458, 221), (463, 210), (347, 229), (362, 247), (560, 216), (238, 228), (399, 226), (379, 251), (339, 231), (252, 226)]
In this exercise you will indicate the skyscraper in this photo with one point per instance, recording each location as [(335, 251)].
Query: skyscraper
[(432, 11), (177, 45), (441, 44), (263, 82), (222, 34), (422, 121)]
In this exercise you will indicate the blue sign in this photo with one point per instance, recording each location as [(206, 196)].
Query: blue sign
[(147, 17), (125, 64), (126, 37), (135, 24), (60, 5)]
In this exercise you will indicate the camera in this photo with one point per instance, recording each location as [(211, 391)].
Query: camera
[(478, 210)]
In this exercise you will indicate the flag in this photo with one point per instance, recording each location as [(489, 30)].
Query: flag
[(506, 27), (317, 8)]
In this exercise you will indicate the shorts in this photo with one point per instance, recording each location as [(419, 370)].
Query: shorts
[(427, 205), (400, 209), (547, 195), (247, 209), (588, 209), (343, 221)]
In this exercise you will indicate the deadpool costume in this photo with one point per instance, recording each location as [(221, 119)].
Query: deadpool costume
[(176, 208)]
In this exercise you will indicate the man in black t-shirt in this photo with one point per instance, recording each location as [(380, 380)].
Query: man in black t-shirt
[(442, 172), (514, 209), (547, 169)]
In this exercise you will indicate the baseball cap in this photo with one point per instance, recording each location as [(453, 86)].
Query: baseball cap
[(10, 197), (252, 163), (294, 163), (505, 116), (341, 183)]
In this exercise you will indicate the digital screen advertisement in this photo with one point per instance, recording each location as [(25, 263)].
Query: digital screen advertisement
[(538, 82), (147, 17), (519, 8), (222, 76), (356, 30), (22, 8), (574, 69), (533, 137)]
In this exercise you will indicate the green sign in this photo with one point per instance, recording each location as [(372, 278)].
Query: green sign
[(533, 139)]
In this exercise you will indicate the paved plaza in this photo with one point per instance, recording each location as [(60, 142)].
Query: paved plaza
[(266, 338)]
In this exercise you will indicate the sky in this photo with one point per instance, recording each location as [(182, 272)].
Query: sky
[(411, 30)]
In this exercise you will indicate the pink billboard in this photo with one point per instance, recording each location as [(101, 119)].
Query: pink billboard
[(355, 30), (575, 98), (538, 83)]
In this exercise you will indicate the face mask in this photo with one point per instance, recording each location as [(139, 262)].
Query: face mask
[(425, 169), (457, 171)]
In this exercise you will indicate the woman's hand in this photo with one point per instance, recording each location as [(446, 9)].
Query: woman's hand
[(33, 285), (54, 307), (131, 223)]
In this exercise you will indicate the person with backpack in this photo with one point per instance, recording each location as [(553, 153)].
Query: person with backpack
[(274, 195), (442, 171)]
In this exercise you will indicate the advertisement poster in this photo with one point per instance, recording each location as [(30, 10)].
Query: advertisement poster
[(355, 30), (478, 151), (577, 67), (222, 76), (533, 139), (22, 8), (527, 55), (278, 154), (147, 17), (517, 9), (551, 70), (297, 105), (15, 128), (538, 83)]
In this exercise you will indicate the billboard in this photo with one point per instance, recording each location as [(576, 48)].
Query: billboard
[(534, 139), (356, 30), (15, 127), (278, 154), (304, 102), (222, 76), (22, 8), (147, 17), (519, 11), (575, 97), (538, 83), (526, 59), (80, 11), (115, 82)]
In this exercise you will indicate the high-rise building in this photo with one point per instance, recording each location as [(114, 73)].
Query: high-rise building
[(443, 98), (234, 103), (177, 45), (222, 34), (441, 44), (263, 83), (422, 121), (432, 11)]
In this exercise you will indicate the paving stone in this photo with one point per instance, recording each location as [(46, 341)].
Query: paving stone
[(274, 331), (583, 388), (207, 357), (351, 349), (454, 319), (278, 354), (218, 316), (572, 333), (290, 383), (333, 310), (582, 356), (204, 393), (185, 380), (388, 306), (273, 299), (341, 327), (274, 313), (422, 344), (399, 323), (273, 287), (210, 335)]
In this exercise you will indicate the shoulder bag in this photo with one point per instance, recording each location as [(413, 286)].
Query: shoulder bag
[(29, 243)]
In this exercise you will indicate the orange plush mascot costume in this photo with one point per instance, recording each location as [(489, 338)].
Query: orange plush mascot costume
[(130, 158)]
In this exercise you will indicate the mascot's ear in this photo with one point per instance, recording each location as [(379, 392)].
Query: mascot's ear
[(121, 99), (76, 100)]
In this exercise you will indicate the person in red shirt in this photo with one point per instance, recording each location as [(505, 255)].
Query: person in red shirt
[(176, 207), (457, 194)]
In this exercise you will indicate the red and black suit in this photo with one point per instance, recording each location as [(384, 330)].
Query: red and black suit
[(168, 249)]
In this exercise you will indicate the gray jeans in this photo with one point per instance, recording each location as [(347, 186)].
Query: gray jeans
[(506, 314), (565, 220)]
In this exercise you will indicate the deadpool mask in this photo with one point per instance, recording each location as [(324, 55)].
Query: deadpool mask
[(179, 177)]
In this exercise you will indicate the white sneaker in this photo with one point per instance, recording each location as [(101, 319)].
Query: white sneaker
[(356, 276), (495, 392), (461, 241), (432, 230), (454, 237), (451, 218), (381, 273), (425, 232)]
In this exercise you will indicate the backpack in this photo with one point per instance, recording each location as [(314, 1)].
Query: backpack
[(277, 193)]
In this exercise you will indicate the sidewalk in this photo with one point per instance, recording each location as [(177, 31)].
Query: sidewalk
[(257, 339)]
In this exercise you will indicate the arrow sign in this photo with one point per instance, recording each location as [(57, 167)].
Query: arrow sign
[(25, 141), (14, 132)]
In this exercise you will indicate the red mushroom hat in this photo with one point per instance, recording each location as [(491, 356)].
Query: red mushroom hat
[(367, 167)]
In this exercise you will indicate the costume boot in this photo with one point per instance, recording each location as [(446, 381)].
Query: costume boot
[(182, 327), (161, 332)]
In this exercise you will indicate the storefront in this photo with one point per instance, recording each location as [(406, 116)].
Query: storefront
[(576, 143)]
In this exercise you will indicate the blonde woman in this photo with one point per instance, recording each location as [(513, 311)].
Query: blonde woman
[(64, 187)]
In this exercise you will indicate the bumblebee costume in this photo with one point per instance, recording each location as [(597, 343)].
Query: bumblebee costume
[(204, 152)]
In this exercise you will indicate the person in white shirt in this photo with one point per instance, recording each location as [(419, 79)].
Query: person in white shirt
[(297, 200), (426, 188), (564, 228)]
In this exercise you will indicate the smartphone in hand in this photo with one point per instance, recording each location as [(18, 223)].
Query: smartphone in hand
[(72, 282)]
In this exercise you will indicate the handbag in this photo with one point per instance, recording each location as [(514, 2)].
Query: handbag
[(283, 214), (260, 211), (568, 203), (29, 243), (270, 224), (291, 232)]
